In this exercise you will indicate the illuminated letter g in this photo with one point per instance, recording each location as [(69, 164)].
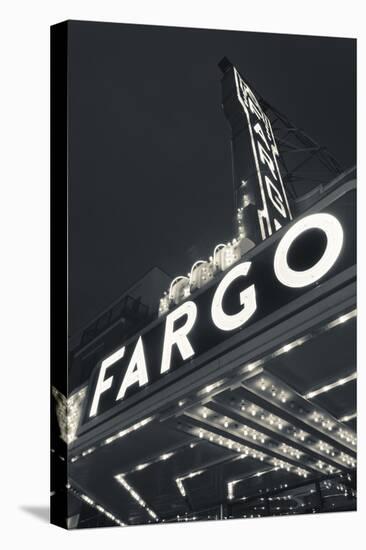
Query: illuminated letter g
[(247, 298)]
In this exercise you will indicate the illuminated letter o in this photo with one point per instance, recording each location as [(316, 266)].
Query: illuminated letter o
[(334, 233)]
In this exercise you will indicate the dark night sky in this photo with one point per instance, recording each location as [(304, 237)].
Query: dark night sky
[(149, 147)]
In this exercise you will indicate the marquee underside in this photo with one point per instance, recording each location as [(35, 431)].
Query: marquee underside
[(275, 436)]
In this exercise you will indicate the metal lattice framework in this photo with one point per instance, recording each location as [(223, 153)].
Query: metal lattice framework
[(304, 163)]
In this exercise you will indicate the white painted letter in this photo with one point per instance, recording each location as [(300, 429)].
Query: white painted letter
[(246, 297), (136, 370), (266, 159), (258, 129), (275, 197), (178, 337), (104, 384)]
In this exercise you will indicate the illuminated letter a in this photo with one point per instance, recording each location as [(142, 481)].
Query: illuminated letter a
[(136, 370)]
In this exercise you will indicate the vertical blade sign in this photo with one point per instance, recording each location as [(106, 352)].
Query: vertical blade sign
[(261, 197)]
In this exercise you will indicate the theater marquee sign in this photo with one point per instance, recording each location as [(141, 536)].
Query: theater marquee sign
[(307, 252)]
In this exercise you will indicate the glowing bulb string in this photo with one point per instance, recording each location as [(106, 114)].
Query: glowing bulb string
[(331, 386), (114, 437), (232, 483), (162, 457), (93, 504), (317, 422), (263, 425), (135, 495), (236, 441)]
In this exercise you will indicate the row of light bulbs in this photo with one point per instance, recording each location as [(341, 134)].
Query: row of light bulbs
[(275, 421), (159, 458), (231, 484), (114, 437), (256, 436), (348, 460), (329, 425), (121, 479), (331, 386), (348, 417), (315, 417), (246, 451), (282, 395), (295, 453), (326, 484), (95, 505), (179, 480)]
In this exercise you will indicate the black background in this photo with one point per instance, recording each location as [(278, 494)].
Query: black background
[(149, 146)]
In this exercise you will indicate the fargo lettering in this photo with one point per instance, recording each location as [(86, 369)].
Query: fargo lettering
[(248, 290)]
